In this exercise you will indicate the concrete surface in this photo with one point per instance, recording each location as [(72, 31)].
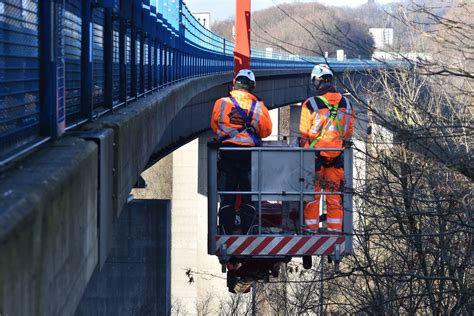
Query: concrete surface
[(48, 229), (158, 180), (135, 279)]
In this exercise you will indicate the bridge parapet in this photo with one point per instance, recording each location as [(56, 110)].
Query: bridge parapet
[(48, 229)]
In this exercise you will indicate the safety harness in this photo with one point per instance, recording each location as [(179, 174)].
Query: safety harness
[(332, 117), (247, 127)]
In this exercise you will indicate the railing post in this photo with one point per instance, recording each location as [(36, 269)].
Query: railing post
[(122, 51), (175, 64), (52, 65), (86, 60), (160, 66), (211, 199), (348, 193), (157, 64), (108, 58), (171, 64), (301, 202), (181, 38), (165, 64), (153, 44), (151, 49), (133, 54), (142, 60), (142, 38)]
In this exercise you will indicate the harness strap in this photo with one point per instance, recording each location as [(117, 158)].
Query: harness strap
[(247, 127), (332, 117)]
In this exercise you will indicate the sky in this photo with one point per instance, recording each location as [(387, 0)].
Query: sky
[(221, 9)]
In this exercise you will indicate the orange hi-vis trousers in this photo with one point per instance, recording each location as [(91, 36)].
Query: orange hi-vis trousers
[(330, 180)]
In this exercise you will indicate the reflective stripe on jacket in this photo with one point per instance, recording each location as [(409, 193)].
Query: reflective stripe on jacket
[(316, 125), (226, 120)]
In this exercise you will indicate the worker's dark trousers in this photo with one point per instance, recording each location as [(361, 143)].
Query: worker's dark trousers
[(234, 175)]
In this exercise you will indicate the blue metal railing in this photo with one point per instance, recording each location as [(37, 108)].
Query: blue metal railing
[(19, 75), (64, 62)]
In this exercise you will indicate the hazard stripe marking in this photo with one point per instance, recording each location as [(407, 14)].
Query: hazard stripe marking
[(238, 242), (244, 245), (332, 247), (331, 241), (307, 245), (329, 250), (275, 241), (299, 244), (280, 245), (228, 241), (251, 245), (316, 245), (289, 245), (262, 245), (248, 250)]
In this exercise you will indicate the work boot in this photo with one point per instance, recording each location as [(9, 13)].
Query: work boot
[(227, 219)]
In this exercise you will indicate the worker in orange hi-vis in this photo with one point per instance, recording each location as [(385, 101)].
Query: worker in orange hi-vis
[(239, 120), (327, 120)]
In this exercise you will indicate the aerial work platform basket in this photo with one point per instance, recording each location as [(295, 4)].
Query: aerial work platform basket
[(282, 181)]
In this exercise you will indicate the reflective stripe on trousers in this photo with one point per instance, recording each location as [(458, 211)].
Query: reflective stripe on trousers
[(332, 177)]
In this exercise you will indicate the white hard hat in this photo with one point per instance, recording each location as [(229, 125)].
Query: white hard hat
[(321, 70), (247, 73)]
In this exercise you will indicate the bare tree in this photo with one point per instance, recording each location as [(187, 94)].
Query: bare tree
[(236, 304), (296, 293), (204, 306), (415, 230), (178, 307)]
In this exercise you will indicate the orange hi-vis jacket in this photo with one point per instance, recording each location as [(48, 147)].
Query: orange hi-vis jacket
[(323, 125), (226, 120)]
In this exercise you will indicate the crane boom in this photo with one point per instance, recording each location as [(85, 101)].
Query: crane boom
[(242, 35)]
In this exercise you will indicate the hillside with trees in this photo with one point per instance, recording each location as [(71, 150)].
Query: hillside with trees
[(306, 29), (312, 28)]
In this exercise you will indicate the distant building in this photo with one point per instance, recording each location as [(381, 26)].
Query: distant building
[(204, 18), (383, 37), (269, 52), (340, 56)]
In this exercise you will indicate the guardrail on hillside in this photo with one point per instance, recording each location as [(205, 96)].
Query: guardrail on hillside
[(66, 62)]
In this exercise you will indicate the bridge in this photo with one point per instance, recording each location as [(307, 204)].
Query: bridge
[(94, 92)]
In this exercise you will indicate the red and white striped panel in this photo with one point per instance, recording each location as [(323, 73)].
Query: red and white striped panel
[(276, 245)]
